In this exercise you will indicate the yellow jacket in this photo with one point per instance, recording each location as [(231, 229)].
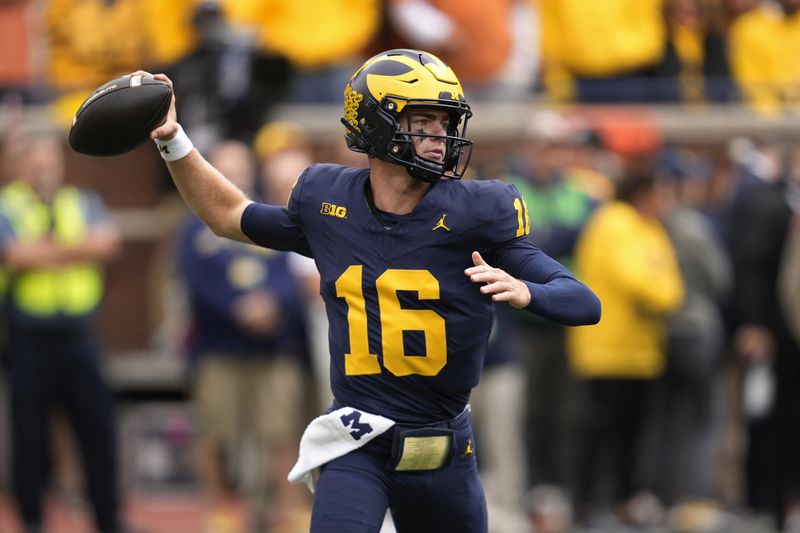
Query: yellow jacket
[(167, 28), (630, 264), (310, 33), (602, 38), (764, 45), (93, 41)]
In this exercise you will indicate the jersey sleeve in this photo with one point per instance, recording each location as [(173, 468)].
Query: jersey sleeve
[(555, 292), (277, 227)]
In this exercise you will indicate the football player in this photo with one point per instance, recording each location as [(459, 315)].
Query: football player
[(411, 260)]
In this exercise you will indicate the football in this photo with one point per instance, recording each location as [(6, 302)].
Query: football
[(119, 115)]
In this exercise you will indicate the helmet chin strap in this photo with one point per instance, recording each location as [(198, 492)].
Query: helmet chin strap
[(424, 174), (424, 169), (401, 151)]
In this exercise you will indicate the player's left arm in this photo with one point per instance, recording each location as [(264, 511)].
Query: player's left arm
[(528, 278), (514, 270)]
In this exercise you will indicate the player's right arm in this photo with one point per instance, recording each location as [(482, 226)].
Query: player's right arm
[(218, 202)]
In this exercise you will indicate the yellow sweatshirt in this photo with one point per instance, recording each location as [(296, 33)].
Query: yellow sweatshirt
[(630, 264), (764, 45)]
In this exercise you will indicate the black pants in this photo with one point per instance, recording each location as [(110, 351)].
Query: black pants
[(552, 406), (613, 421), (60, 366), (772, 465)]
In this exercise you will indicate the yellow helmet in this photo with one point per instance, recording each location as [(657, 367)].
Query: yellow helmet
[(389, 83)]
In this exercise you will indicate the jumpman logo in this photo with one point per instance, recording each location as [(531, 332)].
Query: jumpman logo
[(440, 224), (470, 450)]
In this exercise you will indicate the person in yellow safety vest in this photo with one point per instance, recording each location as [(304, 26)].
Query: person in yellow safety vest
[(53, 241)]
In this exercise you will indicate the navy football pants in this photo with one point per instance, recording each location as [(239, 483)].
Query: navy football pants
[(354, 491), (60, 366)]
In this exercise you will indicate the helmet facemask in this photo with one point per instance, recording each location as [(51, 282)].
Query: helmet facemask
[(457, 148)]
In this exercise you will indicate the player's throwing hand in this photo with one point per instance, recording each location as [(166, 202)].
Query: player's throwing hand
[(169, 127)]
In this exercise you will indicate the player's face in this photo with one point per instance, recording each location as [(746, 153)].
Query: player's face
[(429, 121)]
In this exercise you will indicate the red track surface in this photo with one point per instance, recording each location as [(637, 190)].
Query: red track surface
[(157, 513)]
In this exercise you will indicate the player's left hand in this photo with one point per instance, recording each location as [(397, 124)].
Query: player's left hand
[(502, 286)]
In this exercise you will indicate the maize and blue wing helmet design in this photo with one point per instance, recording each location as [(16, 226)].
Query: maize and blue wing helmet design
[(392, 82)]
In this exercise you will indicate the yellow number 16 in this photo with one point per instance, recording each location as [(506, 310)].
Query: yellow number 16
[(394, 320)]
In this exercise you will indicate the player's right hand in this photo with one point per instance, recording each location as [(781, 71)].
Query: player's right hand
[(169, 128)]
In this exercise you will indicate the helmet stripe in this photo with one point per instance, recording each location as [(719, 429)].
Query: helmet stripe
[(389, 67)]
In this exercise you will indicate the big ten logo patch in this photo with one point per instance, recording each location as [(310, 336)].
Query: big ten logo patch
[(333, 210)]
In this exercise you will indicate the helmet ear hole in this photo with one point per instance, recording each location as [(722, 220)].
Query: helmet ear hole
[(378, 131)]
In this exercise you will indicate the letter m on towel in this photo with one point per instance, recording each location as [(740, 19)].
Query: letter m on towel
[(353, 420)]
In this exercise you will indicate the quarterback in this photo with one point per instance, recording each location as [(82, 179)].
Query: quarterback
[(412, 260)]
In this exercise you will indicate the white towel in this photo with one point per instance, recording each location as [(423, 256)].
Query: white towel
[(333, 435)]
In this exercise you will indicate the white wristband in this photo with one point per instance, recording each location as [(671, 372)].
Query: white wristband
[(176, 148)]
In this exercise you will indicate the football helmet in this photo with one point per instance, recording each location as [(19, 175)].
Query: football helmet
[(396, 81)]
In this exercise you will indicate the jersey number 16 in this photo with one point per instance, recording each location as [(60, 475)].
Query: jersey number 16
[(394, 320)]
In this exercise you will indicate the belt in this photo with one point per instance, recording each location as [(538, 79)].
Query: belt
[(412, 447)]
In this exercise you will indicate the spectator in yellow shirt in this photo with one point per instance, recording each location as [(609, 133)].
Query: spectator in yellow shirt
[(324, 40), (625, 255), (764, 44), (608, 51)]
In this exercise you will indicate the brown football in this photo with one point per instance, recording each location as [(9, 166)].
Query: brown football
[(119, 115)]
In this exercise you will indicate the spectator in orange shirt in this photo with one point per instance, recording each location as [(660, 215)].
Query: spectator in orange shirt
[(490, 44)]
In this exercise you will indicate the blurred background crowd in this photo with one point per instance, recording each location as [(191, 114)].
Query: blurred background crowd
[(656, 145)]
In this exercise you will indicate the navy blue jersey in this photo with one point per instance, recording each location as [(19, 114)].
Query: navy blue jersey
[(408, 329)]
